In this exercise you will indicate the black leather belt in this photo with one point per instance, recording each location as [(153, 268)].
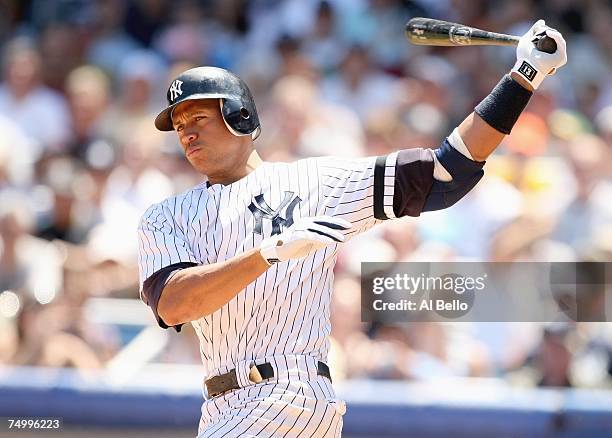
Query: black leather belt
[(226, 382)]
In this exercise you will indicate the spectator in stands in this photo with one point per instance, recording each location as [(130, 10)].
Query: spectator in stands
[(305, 124), (360, 86), (88, 91), (41, 113), (111, 42), (553, 357), (590, 208), (139, 79), (28, 264), (322, 46), (61, 49)]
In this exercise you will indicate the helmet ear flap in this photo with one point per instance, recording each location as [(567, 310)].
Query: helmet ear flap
[(239, 119)]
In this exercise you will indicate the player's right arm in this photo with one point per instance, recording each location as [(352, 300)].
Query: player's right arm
[(174, 283), (179, 289), (198, 291)]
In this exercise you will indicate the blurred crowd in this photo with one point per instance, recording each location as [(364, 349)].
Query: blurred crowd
[(80, 161)]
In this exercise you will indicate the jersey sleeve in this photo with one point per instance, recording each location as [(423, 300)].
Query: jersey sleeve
[(371, 190), (163, 249), (357, 190), (161, 242)]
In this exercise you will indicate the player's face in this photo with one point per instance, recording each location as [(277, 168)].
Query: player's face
[(208, 145)]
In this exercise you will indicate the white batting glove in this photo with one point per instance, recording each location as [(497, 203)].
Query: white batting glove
[(306, 235), (534, 65)]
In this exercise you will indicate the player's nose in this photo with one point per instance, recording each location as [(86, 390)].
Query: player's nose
[(189, 136)]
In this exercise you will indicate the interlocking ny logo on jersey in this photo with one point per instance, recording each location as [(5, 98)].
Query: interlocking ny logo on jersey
[(175, 89), (261, 210)]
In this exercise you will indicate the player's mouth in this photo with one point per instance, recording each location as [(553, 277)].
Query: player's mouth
[(192, 150)]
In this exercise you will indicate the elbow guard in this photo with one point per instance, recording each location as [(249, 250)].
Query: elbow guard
[(465, 173)]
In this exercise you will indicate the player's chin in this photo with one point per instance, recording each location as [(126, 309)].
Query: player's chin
[(199, 163)]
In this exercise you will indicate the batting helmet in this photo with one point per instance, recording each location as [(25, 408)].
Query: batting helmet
[(237, 105)]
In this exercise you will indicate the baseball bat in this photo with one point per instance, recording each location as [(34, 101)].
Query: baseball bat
[(432, 32)]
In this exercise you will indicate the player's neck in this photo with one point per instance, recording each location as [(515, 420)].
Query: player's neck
[(253, 161)]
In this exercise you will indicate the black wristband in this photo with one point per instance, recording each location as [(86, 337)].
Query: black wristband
[(503, 106)]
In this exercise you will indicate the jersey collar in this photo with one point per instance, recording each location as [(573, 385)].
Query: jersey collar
[(246, 178)]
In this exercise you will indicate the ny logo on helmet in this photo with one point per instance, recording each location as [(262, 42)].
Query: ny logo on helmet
[(175, 90), (261, 210)]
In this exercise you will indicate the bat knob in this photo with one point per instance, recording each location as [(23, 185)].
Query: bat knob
[(545, 43)]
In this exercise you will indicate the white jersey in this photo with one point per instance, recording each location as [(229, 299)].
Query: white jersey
[(286, 311)]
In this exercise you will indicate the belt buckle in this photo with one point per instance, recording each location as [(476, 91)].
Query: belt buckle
[(255, 375)]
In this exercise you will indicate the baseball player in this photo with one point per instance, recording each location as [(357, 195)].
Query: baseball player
[(247, 256)]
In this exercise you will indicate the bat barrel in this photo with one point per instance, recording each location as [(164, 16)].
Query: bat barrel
[(430, 32)]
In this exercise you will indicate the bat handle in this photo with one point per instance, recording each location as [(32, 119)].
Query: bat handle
[(546, 44)]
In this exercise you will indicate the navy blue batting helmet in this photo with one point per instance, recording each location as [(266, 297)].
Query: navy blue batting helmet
[(237, 104)]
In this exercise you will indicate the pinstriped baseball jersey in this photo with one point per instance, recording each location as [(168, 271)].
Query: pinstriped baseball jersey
[(287, 309)]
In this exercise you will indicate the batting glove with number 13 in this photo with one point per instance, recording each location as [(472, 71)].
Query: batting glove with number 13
[(531, 63)]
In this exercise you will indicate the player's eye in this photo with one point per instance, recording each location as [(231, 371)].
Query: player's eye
[(178, 128), (198, 118)]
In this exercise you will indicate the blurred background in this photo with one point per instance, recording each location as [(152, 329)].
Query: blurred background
[(80, 161)]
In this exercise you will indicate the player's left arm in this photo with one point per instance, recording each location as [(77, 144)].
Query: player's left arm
[(457, 165)]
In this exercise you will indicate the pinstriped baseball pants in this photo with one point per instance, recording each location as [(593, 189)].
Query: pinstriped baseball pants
[(283, 408)]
